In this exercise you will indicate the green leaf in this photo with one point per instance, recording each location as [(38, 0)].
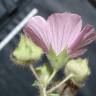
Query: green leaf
[(35, 84)]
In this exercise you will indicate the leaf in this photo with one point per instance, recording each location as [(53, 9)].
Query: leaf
[(35, 84)]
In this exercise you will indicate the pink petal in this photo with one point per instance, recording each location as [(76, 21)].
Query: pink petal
[(76, 25), (37, 29), (88, 32), (65, 27), (77, 42), (88, 36), (88, 40), (32, 36), (78, 53)]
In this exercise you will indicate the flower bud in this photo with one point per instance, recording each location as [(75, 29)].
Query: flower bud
[(26, 52), (79, 68)]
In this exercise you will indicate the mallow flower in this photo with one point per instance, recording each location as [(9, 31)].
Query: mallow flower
[(62, 38), (60, 31)]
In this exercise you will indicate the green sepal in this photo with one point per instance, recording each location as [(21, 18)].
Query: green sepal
[(58, 61)]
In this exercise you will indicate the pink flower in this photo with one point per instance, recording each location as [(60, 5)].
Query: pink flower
[(60, 31)]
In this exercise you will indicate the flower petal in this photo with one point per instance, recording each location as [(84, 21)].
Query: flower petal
[(78, 53), (89, 36), (76, 25), (32, 36), (86, 37), (79, 39), (64, 27), (37, 29), (89, 31)]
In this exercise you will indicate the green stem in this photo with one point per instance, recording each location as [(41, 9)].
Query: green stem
[(42, 87), (51, 77), (60, 84), (44, 92), (34, 72)]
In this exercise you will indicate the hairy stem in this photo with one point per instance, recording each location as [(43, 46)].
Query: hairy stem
[(51, 77), (60, 84), (42, 88), (34, 72), (44, 92)]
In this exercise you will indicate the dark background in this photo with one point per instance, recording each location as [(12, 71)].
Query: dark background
[(16, 80)]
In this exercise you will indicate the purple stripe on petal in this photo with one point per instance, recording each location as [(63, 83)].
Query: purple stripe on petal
[(88, 38), (63, 27), (80, 37), (61, 30), (77, 53), (35, 39), (38, 31)]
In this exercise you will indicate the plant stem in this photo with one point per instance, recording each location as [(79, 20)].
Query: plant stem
[(34, 72), (44, 92), (42, 88), (51, 77), (62, 82)]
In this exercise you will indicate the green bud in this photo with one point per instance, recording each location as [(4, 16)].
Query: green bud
[(79, 68), (58, 61), (26, 52)]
